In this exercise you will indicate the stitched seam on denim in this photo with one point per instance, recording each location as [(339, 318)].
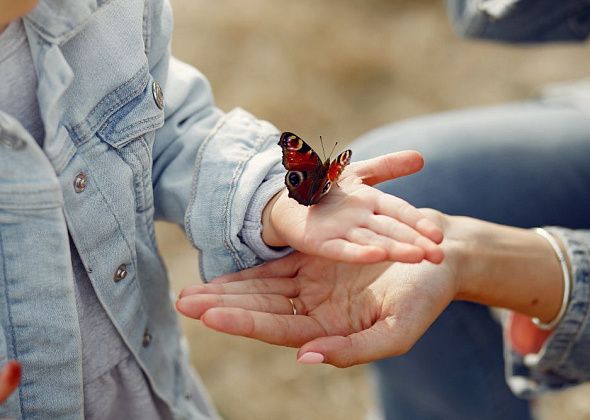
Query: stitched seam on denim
[(10, 319), (147, 27), (132, 127), (28, 191), (86, 132), (137, 283), (131, 159), (147, 174), (227, 213), (111, 209), (62, 158), (65, 36), (131, 131), (30, 204), (236, 176), (194, 187)]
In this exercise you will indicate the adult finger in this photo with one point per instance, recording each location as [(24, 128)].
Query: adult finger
[(282, 286), (284, 330), (9, 379), (382, 340), (196, 305), (387, 167), (283, 267)]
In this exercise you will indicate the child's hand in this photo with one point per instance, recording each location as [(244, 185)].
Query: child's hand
[(355, 222)]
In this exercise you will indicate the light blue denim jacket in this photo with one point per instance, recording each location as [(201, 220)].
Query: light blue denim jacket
[(564, 359), (111, 162)]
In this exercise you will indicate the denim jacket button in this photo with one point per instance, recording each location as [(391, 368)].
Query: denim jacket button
[(158, 94), (121, 273), (80, 182), (147, 338), (11, 141)]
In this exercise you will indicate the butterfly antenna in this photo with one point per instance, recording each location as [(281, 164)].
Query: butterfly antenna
[(335, 144), (322, 143)]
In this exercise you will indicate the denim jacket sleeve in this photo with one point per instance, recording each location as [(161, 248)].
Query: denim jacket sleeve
[(521, 20), (213, 172), (564, 358)]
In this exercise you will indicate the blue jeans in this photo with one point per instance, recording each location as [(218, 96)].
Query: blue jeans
[(524, 164)]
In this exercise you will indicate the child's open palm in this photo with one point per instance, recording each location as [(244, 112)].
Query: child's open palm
[(355, 222)]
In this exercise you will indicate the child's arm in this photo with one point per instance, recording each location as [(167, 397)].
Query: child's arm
[(214, 173)]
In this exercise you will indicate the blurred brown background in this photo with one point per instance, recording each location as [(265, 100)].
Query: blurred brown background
[(337, 68)]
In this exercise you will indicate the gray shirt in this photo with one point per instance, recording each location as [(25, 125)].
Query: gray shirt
[(114, 384)]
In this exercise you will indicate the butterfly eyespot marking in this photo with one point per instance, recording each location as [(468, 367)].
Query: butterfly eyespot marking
[(294, 178), (326, 187), (293, 143)]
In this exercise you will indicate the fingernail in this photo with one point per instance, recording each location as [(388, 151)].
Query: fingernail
[(311, 358)]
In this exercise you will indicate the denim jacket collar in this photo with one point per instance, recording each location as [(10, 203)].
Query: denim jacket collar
[(58, 20), (48, 26)]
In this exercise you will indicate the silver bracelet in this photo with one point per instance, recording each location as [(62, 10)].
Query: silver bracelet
[(567, 281)]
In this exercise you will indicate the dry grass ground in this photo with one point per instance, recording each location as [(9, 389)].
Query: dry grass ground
[(336, 68)]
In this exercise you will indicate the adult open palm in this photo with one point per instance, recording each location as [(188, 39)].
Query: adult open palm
[(346, 314)]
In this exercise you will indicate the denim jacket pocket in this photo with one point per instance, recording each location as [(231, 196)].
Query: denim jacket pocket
[(139, 116), (131, 131)]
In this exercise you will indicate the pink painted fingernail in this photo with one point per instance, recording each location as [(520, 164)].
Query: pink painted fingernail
[(311, 358)]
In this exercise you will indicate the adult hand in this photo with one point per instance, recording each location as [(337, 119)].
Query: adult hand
[(356, 313), (10, 376), (346, 313), (355, 222)]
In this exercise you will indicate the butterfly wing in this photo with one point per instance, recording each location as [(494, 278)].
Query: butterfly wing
[(338, 165), (306, 174)]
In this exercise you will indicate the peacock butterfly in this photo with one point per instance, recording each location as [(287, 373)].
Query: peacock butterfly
[(307, 178)]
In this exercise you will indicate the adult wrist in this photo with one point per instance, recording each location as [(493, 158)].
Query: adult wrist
[(506, 267)]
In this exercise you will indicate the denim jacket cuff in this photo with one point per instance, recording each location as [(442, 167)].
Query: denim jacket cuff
[(231, 164), (252, 230), (562, 361)]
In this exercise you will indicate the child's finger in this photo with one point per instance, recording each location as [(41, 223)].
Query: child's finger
[(346, 251), (395, 230), (396, 250), (284, 330), (392, 206), (387, 167)]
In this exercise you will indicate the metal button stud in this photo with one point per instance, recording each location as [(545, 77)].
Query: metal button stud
[(121, 273), (80, 182), (158, 94), (147, 338)]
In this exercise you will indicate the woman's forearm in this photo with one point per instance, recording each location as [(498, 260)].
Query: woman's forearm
[(506, 267)]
